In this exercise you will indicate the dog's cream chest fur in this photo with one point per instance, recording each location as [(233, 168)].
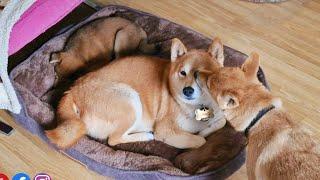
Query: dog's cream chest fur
[(190, 124)]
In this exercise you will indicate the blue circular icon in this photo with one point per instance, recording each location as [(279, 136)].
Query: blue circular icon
[(21, 176)]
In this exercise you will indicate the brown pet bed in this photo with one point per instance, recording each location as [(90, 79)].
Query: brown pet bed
[(33, 79)]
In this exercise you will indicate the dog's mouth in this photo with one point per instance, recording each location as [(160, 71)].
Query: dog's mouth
[(189, 98)]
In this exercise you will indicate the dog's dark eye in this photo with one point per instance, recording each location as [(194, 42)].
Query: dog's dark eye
[(183, 73)]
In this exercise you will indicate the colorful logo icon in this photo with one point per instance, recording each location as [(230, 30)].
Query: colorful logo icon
[(42, 176), (3, 177), (21, 176)]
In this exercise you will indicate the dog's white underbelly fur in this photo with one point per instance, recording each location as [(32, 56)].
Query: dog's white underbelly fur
[(190, 124), (101, 128), (98, 128), (204, 128)]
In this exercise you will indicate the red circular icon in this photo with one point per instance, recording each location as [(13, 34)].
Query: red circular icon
[(3, 177)]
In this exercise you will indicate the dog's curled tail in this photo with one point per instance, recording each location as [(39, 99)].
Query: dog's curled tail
[(70, 127)]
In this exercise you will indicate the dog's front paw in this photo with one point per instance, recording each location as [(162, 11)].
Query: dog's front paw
[(55, 59), (206, 132), (188, 162), (215, 126), (199, 142), (220, 124)]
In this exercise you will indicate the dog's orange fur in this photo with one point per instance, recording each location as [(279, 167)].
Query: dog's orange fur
[(278, 147), (93, 45), (130, 97)]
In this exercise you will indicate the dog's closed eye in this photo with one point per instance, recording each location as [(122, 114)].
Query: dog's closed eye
[(231, 102), (196, 74)]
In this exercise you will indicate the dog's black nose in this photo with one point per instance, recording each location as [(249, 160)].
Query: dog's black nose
[(188, 91)]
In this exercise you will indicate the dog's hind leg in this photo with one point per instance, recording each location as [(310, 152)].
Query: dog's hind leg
[(70, 128), (127, 138), (178, 138), (126, 42), (131, 127), (131, 39), (67, 133), (148, 48), (144, 46)]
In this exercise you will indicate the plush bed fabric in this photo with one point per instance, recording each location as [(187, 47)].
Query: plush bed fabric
[(33, 80)]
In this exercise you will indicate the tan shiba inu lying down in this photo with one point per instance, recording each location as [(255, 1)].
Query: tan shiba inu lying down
[(130, 98), (95, 44), (278, 147)]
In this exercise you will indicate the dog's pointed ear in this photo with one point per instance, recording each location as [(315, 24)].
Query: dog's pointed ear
[(216, 50), (251, 66), (177, 49), (227, 101)]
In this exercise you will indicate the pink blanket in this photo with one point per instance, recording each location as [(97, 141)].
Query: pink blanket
[(37, 19)]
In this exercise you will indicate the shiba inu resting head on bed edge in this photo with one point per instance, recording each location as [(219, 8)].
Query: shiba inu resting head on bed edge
[(141, 98)]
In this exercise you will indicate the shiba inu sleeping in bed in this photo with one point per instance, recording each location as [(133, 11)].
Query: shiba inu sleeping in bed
[(141, 98), (95, 44)]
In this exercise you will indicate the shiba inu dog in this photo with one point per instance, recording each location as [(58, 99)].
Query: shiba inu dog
[(141, 98), (278, 147), (96, 43)]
